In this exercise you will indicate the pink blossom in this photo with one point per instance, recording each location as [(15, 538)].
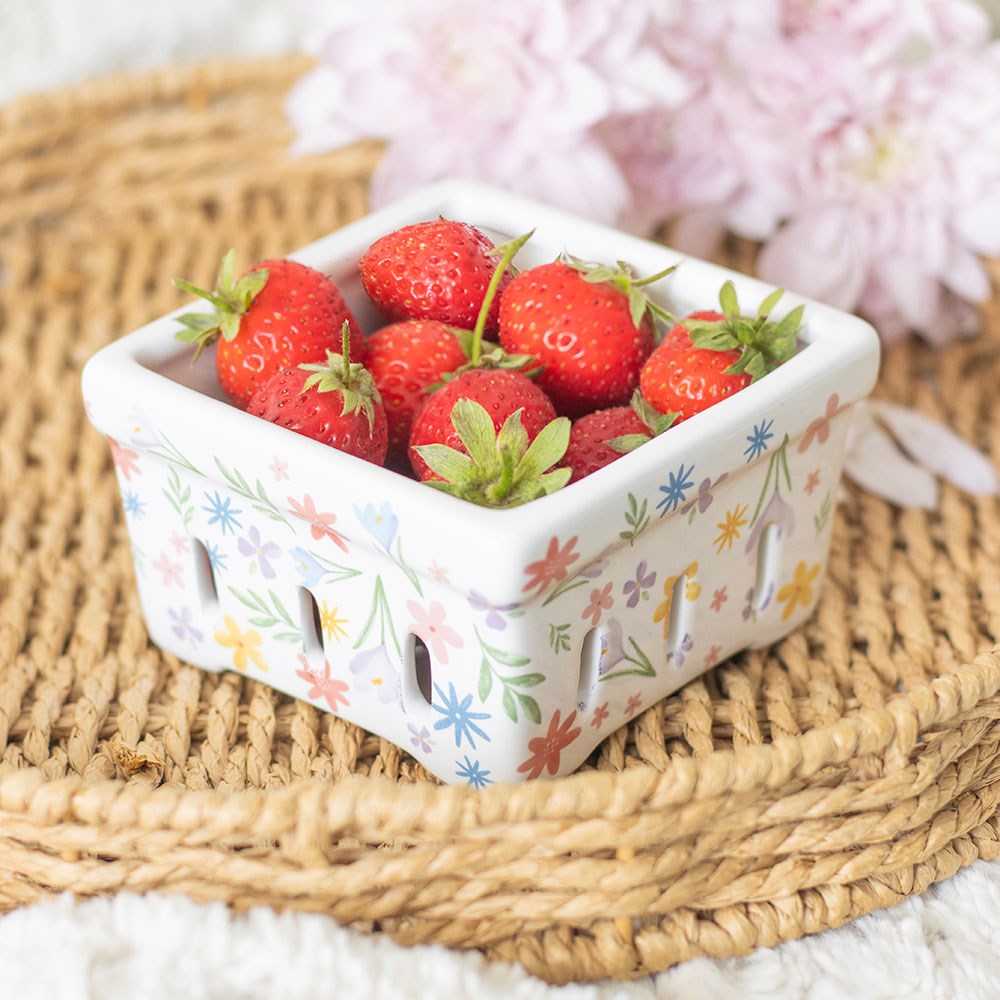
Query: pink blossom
[(430, 625), (321, 524), (508, 93), (856, 139), (172, 571), (898, 204)]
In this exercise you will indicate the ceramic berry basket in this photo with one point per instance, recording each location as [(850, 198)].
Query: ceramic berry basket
[(494, 646)]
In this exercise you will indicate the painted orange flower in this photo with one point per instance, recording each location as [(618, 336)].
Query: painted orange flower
[(545, 750), (323, 685), (126, 459), (553, 567), (321, 524), (798, 590), (600, 601), (819, 429)]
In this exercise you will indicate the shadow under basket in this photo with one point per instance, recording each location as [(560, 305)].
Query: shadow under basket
[(841, 767)]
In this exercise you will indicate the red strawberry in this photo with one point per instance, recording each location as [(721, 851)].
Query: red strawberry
[(432, 270), (599, 438), (279, 314), (335, 403), (589, 326), (405, 360), (500, 391), (711, 355)]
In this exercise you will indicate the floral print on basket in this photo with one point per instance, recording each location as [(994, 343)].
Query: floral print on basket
[(257, 575)]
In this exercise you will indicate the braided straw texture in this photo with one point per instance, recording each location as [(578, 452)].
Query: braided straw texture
[(788, 791)]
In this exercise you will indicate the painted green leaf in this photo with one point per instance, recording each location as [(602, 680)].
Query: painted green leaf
[(485, 680), (530, 706)]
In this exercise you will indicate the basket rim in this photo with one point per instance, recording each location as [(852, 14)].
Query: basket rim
[(425, 806)]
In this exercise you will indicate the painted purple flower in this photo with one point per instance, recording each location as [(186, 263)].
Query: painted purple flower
[(420, 738), (683, 648), (253, 545), (636, 589), (494, 612), (612, 647), (183, 626), (753, 605), (702, 500), (777, 513), (375, 673)]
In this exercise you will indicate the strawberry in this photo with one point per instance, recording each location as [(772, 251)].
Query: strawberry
[(279, 314), (711, 355), (405, 360), (590, 327), (497, 467), (601, 437), (432, 270), (500, 391), (335, 403)]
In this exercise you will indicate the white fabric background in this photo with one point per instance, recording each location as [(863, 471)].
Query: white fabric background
[(942, 945)]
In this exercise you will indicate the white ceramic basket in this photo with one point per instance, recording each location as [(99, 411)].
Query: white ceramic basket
[(492, 645)]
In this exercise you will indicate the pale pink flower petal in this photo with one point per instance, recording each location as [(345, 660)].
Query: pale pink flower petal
[(819, 255)]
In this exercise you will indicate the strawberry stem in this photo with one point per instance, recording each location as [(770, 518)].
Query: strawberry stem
[(507, 251), (345, 352)]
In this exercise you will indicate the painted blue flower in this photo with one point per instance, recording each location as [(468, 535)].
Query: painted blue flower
[(473, 773), (758, 440), (675, 489), (456, 713), (308, 566), (217, 558), (381, 524), (133, 504), (221, 512)]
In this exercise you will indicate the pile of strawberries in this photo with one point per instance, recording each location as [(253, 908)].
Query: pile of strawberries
[(489, 383)]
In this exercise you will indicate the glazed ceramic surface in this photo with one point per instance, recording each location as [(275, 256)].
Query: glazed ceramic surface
[(494, 646)]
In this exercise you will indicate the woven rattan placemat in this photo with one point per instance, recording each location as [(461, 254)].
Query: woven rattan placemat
[(787, 791)]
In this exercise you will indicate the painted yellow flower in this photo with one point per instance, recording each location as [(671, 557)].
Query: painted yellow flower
[(692, 591), (692, 588), (729, 528), (243, 644), (798, 590), (662, 612), (333, 627)]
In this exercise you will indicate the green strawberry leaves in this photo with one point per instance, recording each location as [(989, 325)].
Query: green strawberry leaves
[(502, 468), (231, 298), (763, 344), (620, 275), (489, 355), (350, 378), (656, 422)]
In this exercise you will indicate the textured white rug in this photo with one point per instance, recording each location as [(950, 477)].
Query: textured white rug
[(944, 945)]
